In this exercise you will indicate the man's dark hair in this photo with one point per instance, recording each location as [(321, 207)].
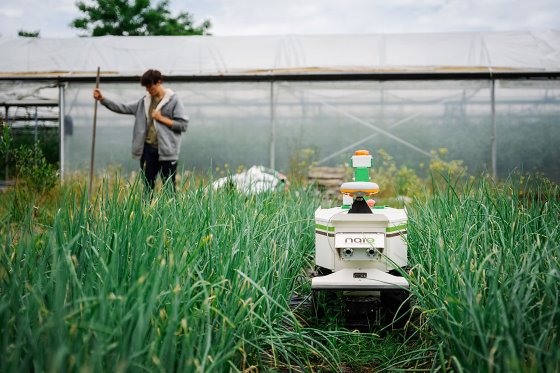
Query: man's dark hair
[(151, 77)]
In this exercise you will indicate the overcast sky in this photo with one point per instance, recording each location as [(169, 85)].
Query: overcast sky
[(268, 17)]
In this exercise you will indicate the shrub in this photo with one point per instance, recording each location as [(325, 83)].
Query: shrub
[(33, 170)]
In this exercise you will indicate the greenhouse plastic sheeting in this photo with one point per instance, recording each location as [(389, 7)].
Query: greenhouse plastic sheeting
[(283, 123), (213, 55), (286, 123)]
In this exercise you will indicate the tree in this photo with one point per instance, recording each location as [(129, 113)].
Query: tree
[(134, 17), (28, 34)]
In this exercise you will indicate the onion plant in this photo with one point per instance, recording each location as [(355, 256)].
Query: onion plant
[(199, 280), (485, 275)]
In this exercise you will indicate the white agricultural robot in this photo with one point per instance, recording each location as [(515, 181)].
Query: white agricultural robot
[(360, 252)]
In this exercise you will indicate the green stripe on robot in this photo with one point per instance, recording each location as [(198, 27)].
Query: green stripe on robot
[(324, 227), (396, 228), (388, 230)]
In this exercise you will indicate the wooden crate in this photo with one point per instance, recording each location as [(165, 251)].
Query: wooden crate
[(328, 179)]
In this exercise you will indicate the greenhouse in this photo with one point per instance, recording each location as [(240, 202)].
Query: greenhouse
[(433, 248), (489, 99)]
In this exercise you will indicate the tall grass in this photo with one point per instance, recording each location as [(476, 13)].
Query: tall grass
[(486, 275), (197, 281), (202, 281)]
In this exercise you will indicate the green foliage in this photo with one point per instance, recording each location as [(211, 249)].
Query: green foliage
[(485, 275), (197, 281), (299, 164), (202, 281), (6, 141), (395, 181), (443, 170), (6, 150), (12, 139), (405, 183), (28, 34), (134, 18), (34, 170)]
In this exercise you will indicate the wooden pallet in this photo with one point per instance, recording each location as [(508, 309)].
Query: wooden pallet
[(7, 184), (328, 179)]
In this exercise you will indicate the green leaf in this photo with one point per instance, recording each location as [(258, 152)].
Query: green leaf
[(138, 17)]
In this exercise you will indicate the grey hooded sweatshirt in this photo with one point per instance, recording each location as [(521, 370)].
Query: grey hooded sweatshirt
[(169, 139)]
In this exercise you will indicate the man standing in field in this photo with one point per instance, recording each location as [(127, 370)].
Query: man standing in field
[(160, 119)]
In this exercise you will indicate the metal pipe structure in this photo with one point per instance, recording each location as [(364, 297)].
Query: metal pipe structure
[(493, 139), (369, 76), (272, 129), (61, 109)]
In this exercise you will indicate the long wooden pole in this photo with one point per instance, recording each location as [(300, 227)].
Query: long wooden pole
[(93, 140)]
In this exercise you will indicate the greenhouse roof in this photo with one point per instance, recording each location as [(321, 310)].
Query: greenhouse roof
[(214, 56)]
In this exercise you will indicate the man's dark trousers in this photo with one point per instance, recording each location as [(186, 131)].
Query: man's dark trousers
[(151, 165)]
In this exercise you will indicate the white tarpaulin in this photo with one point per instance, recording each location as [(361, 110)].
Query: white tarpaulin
[(213, 55), (255, 180)]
